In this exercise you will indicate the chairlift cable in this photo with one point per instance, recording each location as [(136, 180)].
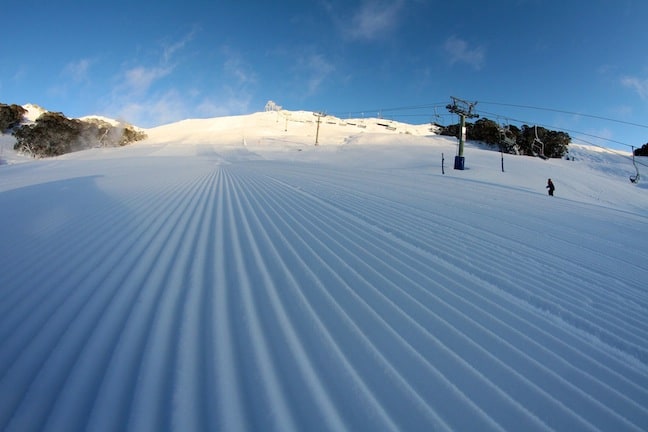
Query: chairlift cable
[(402, 108), (566, 112), (564, 129)]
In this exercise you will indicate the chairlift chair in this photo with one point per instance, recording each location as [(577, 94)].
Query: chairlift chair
[(436, 122), (437, 119), (537, 147), (506, 136)]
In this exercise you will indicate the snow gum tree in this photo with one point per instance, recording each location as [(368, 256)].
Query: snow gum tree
[(555, 143), (54, 134), (10, 116)]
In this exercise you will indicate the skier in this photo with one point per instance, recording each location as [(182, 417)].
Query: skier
[(551, 187)]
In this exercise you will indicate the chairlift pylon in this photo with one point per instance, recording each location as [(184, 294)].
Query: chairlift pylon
[(634, 178)]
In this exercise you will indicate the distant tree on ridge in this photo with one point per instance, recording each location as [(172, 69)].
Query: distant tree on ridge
[(642, 151)]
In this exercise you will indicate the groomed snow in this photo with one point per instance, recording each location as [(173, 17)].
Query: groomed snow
[(227, 274)]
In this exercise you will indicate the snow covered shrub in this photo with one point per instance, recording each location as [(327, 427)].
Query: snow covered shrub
[(129, 135), (51, 135), (10, 116), (54, 134)]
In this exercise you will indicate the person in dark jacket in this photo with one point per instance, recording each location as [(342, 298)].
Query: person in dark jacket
[(551, 187)]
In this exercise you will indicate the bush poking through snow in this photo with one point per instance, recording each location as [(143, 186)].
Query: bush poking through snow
[(53, 134), (10, 116)]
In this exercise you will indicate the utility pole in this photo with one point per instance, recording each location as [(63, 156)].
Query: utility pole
[(463, 109), (319, 116)]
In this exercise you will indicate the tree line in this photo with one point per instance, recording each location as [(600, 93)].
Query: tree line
[(513, 139), (642, 151)]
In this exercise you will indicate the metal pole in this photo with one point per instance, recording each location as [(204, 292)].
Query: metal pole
[(463, 109), (317, 133), (319, 116), (462, 134)]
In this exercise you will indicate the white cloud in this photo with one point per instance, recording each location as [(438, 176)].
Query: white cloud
[(319, 69), (171, 49), (374, 19), (140, 78), (145, 98), (236, 67), (78, 70), (310, 72), (133, 99), (460, 52), (229, 103), (639, 85), (210, 108), (153, 111)]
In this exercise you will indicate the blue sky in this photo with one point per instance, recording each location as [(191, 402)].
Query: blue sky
[(155, 62)]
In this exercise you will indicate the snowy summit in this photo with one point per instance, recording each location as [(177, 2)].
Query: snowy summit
[(230, 274)]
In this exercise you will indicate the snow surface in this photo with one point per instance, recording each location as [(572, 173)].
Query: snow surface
[(96, 118), (33, 112), (228, 274)]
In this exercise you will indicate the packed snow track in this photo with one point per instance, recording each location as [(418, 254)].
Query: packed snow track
[(196, 293)]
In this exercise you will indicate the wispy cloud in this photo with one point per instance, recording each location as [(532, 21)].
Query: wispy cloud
[(73, 74), (318, 69), (459, 51), (159, 109), (639, 85), (239, 79), (304, 70), (173, 47), (78, 70), (374, 20), (310, 71), (622, 111), (143, 99), (230, 102), (140, 78), (135, 100), (236, 67)]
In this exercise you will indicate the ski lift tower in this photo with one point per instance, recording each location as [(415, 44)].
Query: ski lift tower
[(463, 109), (319, 116)]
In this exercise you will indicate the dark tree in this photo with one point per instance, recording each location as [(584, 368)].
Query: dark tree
[(539, 141), (51, 135), (10, 116), (485, 130), (556, 143), (511, 139), (54, 134), (450, 130), (643, 151)]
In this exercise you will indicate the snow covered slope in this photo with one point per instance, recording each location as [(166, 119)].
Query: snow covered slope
[(230, 275)]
